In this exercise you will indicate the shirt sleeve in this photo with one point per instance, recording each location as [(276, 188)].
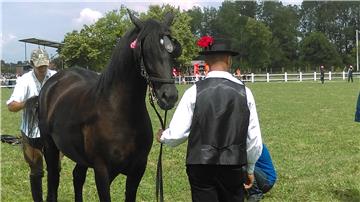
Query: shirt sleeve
[(254, 140), (179, 127), (19, 93)]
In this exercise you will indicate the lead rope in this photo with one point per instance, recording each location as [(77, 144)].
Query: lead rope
[(159, 176)]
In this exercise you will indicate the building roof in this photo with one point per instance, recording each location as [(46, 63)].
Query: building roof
[(43, 42)]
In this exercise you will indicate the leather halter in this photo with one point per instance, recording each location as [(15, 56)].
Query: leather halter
[(150, 79)]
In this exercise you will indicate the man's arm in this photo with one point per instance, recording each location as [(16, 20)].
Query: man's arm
[(15, 106), (179, 127), (254, 140), (16, 101)]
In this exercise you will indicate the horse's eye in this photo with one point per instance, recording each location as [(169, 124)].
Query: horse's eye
[(162, 41), (168, 44)]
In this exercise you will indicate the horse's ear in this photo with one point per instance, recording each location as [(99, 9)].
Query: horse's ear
[(169, 17), (136, 21)]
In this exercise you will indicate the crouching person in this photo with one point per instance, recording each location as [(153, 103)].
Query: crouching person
[(265, 177)]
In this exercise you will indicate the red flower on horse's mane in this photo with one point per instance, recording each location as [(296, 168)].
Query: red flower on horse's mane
[(205, 41)]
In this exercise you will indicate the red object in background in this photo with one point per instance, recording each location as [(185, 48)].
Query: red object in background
[(205, 41), (196, 69), (175, 72)]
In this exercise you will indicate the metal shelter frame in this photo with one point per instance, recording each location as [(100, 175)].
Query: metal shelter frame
[(47, 43)]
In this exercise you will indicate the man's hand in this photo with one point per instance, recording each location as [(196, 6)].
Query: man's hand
[(15, 106), (249, 181), (158, 135)]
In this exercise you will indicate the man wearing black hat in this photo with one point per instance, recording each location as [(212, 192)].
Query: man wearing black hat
[(218, 116)]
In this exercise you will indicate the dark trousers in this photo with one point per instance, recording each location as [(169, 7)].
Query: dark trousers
[(322, 79), (213, 183)]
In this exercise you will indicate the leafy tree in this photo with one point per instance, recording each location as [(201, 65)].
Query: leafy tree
[(91, 47), (316, 50), (283, 23), (196, 16), (257, 37), (338, 20)]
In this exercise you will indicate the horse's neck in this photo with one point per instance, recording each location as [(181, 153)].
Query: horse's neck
[(121, 81)]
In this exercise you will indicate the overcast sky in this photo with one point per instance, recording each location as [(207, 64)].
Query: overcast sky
[(52, 20)]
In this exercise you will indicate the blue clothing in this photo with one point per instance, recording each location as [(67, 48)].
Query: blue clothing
[(265, 177), (265, 164)]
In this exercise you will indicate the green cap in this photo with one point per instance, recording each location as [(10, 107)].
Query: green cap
[(40, 57)]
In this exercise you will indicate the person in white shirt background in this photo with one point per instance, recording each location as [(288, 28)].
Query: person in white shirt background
[(27, 86), (218, 117)]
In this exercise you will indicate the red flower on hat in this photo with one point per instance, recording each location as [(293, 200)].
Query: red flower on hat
[(205, 41)]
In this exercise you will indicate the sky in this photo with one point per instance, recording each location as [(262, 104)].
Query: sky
[(51, 20)]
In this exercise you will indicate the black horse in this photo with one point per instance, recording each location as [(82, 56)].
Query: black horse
[(101, 121)]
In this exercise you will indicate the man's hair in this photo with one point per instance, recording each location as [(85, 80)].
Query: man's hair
[(210, 59)]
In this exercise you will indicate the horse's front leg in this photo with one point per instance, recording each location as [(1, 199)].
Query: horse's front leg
[(51, 154), (132, 182), (79, 176), (102, 181)]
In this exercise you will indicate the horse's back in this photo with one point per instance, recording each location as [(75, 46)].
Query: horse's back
[(65, 89)]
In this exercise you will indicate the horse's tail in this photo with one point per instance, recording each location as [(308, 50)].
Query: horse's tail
[(31, 115)]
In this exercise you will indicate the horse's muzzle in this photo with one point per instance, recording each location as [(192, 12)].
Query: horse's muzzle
[(167, 95)]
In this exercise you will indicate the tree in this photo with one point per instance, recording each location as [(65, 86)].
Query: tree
[(257, 37), (92, 46), (316, 50), (283, 23), (196, 21), (338, 20)]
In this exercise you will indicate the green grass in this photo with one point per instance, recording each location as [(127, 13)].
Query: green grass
[(309, 129)]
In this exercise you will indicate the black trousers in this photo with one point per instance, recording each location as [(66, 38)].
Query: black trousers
[(213, 183)]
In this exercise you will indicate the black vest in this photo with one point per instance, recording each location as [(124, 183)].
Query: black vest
[(220, 123)]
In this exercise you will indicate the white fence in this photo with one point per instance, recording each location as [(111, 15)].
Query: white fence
[(299, 77)]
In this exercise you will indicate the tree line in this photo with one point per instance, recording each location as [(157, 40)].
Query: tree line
[(270, 36)]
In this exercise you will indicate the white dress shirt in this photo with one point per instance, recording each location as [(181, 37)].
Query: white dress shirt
[(28, 86), (179, 127)]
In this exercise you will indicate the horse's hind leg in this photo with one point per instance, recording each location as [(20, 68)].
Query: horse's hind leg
[(79, 176), (132, 183), (51, 154)]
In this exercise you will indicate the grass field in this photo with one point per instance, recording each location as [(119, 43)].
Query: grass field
[(309, 129)]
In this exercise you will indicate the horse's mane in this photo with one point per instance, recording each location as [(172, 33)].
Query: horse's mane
[(123, 60)]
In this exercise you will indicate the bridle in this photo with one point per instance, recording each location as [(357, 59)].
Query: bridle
[(149, 79)]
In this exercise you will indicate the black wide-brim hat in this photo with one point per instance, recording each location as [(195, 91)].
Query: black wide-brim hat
[(216, 46)]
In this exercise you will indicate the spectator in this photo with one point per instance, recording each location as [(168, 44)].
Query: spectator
[(350, 74), (322, 74), (237, 73), (218, 116), (27, 86)]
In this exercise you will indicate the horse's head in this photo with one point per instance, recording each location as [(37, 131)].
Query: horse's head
[(156, 51)]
